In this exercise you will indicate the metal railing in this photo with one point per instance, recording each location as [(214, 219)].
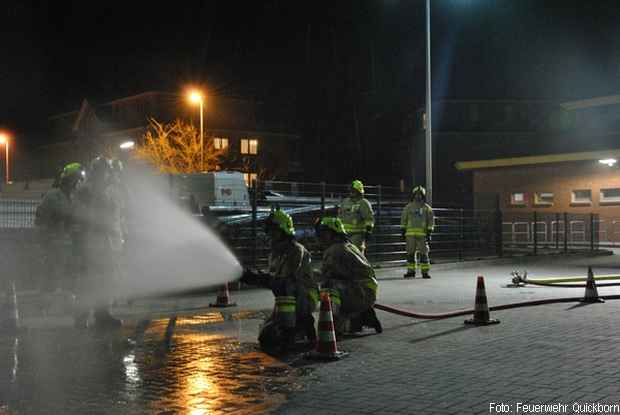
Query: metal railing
[(460, 234)]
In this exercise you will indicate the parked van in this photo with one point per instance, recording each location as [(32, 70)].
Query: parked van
[(221, 190)]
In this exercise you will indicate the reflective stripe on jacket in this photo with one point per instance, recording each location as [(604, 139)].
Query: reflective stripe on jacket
[(418, 219), (356, 215)]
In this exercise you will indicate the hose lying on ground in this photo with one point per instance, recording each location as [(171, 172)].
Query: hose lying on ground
[(423, 316), (577, 279), (559, 282)]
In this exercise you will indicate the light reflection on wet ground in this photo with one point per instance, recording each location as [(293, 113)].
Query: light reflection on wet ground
[(200, 370)]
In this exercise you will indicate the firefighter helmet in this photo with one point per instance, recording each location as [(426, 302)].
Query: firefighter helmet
[(419, 189), (282, 221), (358, 185), (72, 170), (331, 223), (100, 167)]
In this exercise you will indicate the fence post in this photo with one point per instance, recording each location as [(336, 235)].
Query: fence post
[(565, 232), (499, 229), (535, 228), (378, 205), (254, 209), (461, 233), (592, 231), (557, 230), (322, 199)]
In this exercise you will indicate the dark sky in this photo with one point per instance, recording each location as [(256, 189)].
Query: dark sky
[(56, 53)]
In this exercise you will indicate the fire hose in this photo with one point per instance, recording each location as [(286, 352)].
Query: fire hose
[(439, 316), (559, 282)]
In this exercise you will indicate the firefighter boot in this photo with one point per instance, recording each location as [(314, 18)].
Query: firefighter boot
[(370, 319), (410, 273), (425, 274), (356, 323)]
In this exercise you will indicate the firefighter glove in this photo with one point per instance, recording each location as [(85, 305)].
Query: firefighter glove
[(403, 231)]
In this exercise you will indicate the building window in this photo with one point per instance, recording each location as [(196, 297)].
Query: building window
[(518, 199), (249, 146), (220, 143), (250, 178), (543, 198), (610, 195), (582, 197)]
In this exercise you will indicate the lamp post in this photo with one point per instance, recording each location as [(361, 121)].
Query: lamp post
[(4, 139), (197, 98), (428, 130)]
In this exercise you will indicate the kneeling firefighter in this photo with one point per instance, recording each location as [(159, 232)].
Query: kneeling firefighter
[(291, 280), (348, 277)]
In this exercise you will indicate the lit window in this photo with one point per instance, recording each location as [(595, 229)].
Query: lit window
[(518, 199), (249, 146), (220, 143), (610, 195), (249, 178), (581, 196), (543, 198)]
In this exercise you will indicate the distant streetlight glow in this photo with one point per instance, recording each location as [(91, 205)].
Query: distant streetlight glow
[(4, 139), (196, 97), (609, 162), (127, 145)]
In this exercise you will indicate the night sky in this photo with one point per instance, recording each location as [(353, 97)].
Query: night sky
[(57, 53)]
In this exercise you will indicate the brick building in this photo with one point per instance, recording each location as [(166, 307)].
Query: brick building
[(475, 129), (578, 175)]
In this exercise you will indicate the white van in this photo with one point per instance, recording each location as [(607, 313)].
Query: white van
[(224, 190)]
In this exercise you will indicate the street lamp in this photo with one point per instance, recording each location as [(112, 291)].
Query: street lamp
[(127, 145), (4, 139), (428, 131), (196, 97)]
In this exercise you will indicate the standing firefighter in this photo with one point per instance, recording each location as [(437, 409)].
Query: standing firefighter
[(348, 277), (101, 226), (357, 216), (290, 278), (417, 223), (54, 218)]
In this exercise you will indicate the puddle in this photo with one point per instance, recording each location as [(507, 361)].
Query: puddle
[(189, 370)]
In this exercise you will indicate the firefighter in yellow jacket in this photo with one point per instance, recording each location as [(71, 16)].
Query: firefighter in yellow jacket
[(357, 216), (417, 223), (349, 278)]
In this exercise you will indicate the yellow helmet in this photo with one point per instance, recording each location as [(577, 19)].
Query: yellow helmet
[(358, 185), (282, 221), (419, 189), (331, 223)]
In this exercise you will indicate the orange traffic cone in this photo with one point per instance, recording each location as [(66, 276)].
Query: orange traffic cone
[(326, 348), (591, 295), (481, 310), (223, 298), (9, 314)]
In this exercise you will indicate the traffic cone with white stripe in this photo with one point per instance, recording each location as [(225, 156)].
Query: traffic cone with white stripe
[(591, 295), (223, 298), (326, 348), (9, 314), (481, 309)]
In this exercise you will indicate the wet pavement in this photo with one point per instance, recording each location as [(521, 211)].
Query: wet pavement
[(208, 363), (202, 368)]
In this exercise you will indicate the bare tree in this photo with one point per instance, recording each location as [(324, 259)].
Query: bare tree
[(175, 148)]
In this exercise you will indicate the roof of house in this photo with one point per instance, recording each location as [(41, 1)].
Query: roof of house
[(542, 159)]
